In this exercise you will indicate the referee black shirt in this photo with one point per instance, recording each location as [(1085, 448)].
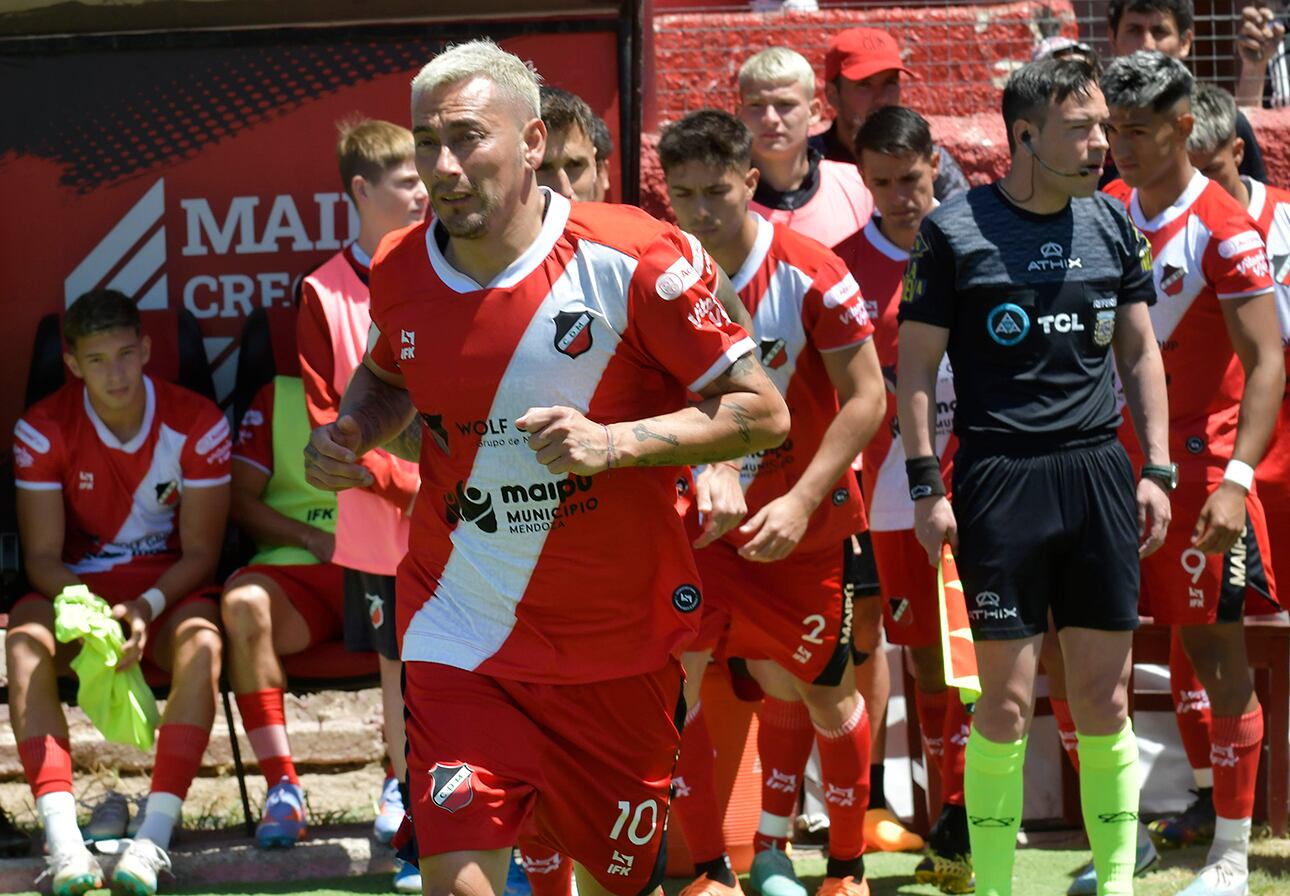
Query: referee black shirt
[(1029, 301)]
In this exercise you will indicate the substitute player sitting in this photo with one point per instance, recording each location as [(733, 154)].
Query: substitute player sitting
[(900, 163), (1211, 278), (1030, 283), (122, 486), (775, 583), (549, 585), (289, 597)]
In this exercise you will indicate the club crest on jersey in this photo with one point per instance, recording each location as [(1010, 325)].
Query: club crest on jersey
[(451, 786), (1103, 328), (773, 354), (1171, 279), (1007, 324), (1281, 269), (572, 332), (168, 493)]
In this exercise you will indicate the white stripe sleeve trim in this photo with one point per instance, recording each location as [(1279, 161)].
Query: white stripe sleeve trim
[(39, 486), (840, 348), (1245, 295), (730, 356), (256, 464), (207, 483)]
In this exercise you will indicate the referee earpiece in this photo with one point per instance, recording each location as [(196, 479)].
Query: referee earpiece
[(1082, 172), (1025, 138)]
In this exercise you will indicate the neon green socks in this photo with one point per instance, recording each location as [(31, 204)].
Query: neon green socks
[(1108, 789), (992, 790)]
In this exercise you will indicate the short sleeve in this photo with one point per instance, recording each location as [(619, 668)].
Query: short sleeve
[(205, 457), (381, 352), (927, 292), (1236, 260), (37, 454), (255, 434), (677, 320), (1135, 281), (834, 310)]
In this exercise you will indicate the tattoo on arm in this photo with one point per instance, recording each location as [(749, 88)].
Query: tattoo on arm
[(407, 444), (643, 434), (743, 366), (743, 419)]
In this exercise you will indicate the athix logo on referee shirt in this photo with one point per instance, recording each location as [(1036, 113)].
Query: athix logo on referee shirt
[(1052, 259)]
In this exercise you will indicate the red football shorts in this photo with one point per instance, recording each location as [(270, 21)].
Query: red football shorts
[(1182, 586), (910, 613), (583, 769), (316, 590), (124, 584), (792, 611)]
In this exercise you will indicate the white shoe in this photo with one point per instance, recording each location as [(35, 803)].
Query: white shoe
[(1222, 878), (136, 871), (74, 872)]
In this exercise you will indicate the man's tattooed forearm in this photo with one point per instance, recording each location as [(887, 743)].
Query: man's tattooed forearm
[(643, 434), (742, 418)]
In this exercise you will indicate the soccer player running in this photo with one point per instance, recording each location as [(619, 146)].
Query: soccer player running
[(775, 583), (899, 161), (1030, 283), (123, 487), (1211, 278), (549, 585)]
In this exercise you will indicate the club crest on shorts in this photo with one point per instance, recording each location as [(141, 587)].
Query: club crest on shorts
[(572, 332), (1104, 328), (686, 598), (452, 790)]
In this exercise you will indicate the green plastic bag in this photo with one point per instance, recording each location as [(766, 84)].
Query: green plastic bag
[(119, 703)]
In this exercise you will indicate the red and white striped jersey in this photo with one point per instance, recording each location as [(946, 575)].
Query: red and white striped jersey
[(1270, 208), (513, 571), (879, 267), (120, 500), (803, 301), (1205, 249)]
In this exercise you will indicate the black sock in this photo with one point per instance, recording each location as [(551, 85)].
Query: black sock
[(877, 795), (846, 868), (950, 836), (718, 869)]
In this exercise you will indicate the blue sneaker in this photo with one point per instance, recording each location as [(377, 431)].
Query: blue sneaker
[(407, 877), (1086, 883), (389, 813), (517, 882), (772, 874), (283, 822)]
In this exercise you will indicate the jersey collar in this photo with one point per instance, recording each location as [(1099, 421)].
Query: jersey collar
[(557, 215), (761, 245), (106, 436), (1179, 207), (1258, 196)]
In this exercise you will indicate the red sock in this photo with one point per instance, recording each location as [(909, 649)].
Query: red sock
[(1066, 729), (844, 766), (784, 740), (694, 794), (1191, 704), (931, 721), (1235, 758), (179, 758), (549, 873), (47, 762), (265, 723), (958, 725)]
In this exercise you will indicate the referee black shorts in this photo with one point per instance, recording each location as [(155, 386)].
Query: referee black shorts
[(1055, 532)]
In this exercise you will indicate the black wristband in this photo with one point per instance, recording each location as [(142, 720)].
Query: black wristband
[(924, 475)]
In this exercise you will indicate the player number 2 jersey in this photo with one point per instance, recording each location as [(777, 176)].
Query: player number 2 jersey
[(513, 571)]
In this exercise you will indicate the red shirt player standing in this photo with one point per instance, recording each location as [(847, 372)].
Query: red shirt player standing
[(548, 587), (1211, 275)]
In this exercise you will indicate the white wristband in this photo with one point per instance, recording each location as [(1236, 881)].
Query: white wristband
[(155, 600), (1240, 473)]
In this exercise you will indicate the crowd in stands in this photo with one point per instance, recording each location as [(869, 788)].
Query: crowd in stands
[(807, 552)]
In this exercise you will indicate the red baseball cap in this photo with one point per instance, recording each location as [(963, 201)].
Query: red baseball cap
[(858, 53)]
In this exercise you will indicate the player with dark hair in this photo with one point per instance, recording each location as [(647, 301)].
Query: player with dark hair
[(549, 585), (1033, 285), (775, 583), (569, 166), (1211, 276), (899, 161), (122, 487)]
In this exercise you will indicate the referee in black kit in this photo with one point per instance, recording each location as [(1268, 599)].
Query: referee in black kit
[(1029, 283)]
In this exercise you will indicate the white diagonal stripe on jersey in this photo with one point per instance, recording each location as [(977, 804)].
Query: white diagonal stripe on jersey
[(1279, 255), (1184, 251), (472, 611), (149, 524), (117, 244), (761, 245)]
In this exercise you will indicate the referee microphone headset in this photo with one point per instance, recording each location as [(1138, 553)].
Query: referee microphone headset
[(1084, 171)]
